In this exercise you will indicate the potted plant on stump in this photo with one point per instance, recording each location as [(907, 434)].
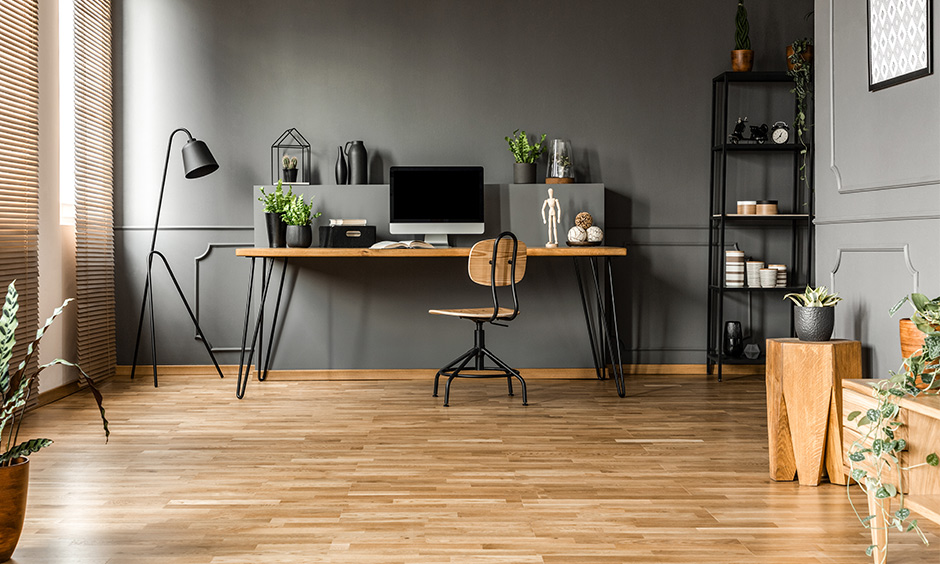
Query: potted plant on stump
[(275, 204), (815, 314), (523, 171), (297, 217), (14, 389), (742, 58)]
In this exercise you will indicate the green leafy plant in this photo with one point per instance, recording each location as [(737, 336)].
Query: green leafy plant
[(815, 297), (288, 162), (875, 456), (298, 212), (277, 201), (522, 150), (801, 71), (15, 386), (742, 38)]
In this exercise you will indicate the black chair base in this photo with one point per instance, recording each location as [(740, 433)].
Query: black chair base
[(478, 355)]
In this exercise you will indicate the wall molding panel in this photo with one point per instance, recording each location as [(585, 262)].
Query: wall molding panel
[(915, 274), (196, 287)]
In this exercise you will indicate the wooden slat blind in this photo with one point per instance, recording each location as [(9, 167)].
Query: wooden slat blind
[(19, 166), (94, 188)]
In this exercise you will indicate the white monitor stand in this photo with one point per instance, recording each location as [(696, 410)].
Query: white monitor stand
[(439, 240)]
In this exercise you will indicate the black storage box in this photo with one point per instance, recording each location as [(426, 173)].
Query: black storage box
[(347, 236)]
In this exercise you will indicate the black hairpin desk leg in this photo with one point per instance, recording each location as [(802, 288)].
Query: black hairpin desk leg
[(605, 337), (244, 365)]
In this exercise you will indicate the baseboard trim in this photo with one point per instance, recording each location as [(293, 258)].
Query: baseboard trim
[(65, 390), (422, 373)]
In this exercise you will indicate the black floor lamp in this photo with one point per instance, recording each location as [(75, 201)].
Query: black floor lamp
[(197, 162)]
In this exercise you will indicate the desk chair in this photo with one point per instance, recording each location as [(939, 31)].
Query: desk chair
[(493, 262)]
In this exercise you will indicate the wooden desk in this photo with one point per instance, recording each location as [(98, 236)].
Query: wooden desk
[(921, 419), (604, 337), (804, 400)]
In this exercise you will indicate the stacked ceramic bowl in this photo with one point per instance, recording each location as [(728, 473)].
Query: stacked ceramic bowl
[(781, 274), (753, 273), (734, 269)]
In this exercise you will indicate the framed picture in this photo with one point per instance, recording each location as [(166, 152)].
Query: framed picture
[(900, 41)]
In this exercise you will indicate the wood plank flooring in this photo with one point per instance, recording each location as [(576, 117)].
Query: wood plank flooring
[(379, 472)]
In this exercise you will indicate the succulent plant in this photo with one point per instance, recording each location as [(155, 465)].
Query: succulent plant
[(815, 297)]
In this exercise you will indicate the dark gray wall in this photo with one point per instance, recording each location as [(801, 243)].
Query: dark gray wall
[(878, 172), (427, 82)]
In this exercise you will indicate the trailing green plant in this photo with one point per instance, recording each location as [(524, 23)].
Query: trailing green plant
[(875, 456), (277, 201), (815, 297), (288, 162), (522, 150), (742, 37), (15, 386), (298, 212), (801, 72)]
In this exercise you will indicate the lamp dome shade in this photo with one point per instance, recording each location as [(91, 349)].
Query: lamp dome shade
[(197, 159)]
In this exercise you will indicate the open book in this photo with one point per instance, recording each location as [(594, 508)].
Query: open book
[(402, 245)]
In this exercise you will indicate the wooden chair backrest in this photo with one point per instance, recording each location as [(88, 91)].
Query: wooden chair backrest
[(479, 264)]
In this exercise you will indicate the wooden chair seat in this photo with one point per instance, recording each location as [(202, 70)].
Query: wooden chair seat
[(474, 313)]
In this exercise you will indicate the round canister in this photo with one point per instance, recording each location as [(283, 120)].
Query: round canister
[(766, 207), (747, 207)]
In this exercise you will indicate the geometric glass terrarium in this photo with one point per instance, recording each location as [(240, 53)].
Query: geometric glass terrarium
[(290, 158)]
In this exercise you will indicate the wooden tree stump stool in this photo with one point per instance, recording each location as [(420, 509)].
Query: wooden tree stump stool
[(804, 407)]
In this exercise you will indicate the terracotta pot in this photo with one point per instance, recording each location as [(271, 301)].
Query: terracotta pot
[(912, 341), (742, 60), (806, 56), (14, 480)]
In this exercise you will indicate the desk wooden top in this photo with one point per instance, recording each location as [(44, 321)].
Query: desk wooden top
[(318, 252)]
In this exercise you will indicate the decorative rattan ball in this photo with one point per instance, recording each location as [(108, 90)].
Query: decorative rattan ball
[(584, 220), (577, 234), (594, 234)]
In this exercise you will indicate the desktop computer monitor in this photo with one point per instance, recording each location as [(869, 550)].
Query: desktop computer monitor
[(436, 201)]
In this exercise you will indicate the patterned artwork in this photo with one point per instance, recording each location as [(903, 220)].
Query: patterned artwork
[(899, 41)]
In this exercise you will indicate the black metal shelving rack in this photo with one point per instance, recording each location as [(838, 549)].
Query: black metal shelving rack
[(800, 224)]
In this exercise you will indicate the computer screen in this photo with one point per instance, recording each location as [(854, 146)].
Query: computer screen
[(436, 200)]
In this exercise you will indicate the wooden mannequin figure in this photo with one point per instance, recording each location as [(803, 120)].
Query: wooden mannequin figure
[(554, 217)]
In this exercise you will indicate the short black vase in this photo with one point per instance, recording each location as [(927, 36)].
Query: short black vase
[(290, 175), (814, 323), (299, 236), (277, 230), (734, 339)]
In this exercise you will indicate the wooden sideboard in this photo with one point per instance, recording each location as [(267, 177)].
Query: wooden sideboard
[(921, 430)]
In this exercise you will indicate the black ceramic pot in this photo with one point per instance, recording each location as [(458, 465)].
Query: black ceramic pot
[(814, 323), (277, 230), (523, 173), (299, 236), (290, 175)]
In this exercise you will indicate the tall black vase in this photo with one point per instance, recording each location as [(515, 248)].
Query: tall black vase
[(277, 230), (734, 339), (341, 170)]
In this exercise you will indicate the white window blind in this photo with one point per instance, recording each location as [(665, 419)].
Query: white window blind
[(19, 165), (94, 187)]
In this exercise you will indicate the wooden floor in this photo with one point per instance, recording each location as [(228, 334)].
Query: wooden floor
[(379, 472)]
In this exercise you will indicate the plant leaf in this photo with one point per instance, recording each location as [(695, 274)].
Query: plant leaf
[(24, 449), (933, 459)]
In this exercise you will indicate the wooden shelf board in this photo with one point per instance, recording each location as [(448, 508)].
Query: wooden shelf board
[(318, 252)]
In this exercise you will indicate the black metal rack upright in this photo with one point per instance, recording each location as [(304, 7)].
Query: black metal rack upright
[(720, 220)]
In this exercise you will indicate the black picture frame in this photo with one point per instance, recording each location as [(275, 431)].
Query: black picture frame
[(876, 60)]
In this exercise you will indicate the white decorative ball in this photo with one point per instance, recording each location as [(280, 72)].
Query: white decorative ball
[(594, 234), (577, 234)]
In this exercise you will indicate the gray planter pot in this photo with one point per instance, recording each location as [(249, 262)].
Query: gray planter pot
[(814, 323), (523, 173), (299, 236)]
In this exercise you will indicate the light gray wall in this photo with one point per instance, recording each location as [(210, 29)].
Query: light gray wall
[(428, 82), (878, 172)]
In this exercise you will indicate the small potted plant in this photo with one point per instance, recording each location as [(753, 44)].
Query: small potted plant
[(15, 387), (297, 216), (289, 164), (815, 313), (526, 153), (275, 204), (920, 337), (742, 58)]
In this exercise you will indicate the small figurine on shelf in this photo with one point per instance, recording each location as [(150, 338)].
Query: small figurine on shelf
[(759, 133), (737, 135), (554, 217)]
